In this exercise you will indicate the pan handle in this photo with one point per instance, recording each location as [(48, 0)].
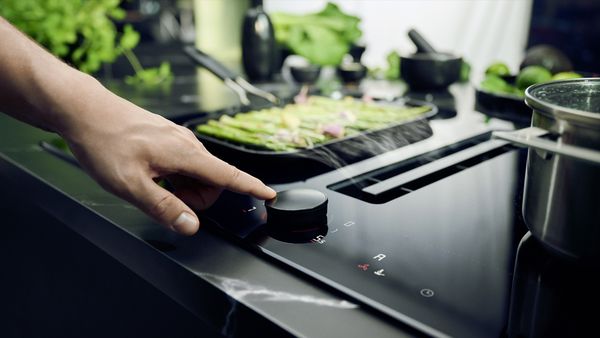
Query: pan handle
[(208, 62), (219, 70), (531, 137)]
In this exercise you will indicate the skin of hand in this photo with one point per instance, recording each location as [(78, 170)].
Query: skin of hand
[(122, 146)]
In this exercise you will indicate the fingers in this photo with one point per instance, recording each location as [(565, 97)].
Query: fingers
[(198, 199), (209, 169), (193, 160), (195, 194), (165, 207)]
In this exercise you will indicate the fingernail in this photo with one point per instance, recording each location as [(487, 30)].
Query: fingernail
[(184, 222), (271, 191)]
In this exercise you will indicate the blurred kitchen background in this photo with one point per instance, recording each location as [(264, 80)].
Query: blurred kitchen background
[(481, 31)]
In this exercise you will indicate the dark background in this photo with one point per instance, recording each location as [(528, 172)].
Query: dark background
[(573, 26)]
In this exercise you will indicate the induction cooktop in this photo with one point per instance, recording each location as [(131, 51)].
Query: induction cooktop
[(429, 235), (426, 235)]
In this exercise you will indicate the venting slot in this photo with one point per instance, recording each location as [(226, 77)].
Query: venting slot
[(398, 179)]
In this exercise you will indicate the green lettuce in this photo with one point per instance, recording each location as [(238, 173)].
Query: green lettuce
[(323, 37)]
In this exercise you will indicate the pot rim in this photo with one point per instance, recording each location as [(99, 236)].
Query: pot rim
[(560, 112)]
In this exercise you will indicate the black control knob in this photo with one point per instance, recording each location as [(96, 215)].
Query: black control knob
[(297, 209)]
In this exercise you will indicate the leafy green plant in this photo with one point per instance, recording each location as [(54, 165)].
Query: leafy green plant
[(81, 32), (145, 77), (393, 70), (323, 37)]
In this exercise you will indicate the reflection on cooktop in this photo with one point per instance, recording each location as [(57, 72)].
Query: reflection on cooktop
[(443, 99), (311, 234), (438, 260), (552, 297)]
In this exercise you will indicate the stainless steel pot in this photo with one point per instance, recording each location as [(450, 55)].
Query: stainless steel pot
[(561, 202)]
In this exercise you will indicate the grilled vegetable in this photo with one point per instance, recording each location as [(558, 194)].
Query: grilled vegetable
[(303, 125)]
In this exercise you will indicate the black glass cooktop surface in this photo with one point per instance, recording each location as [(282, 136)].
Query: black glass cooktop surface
[(436, 252)]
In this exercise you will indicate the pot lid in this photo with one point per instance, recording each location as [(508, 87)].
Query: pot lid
[(574, 100)]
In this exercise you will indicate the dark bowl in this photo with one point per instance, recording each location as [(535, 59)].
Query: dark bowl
[(503, 106), (510, 107), (352, 72), (430, 70), (356, 51), (306, 74)]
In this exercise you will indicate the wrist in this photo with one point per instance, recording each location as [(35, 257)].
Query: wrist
[(73, 103)]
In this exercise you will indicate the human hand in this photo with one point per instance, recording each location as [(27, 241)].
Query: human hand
[(126, 148)]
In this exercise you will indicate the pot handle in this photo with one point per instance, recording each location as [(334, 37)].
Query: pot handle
[(531, 137)]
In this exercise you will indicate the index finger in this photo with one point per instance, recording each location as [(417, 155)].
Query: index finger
[(213, 170)]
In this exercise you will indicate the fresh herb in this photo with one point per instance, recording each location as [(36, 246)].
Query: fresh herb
[(324, 38), (465, 71), (393, 70), (389, 72), (81, 32), (151, 76)]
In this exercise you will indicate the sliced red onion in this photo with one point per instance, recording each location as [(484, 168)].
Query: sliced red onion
[(334, 130), (347, 115)]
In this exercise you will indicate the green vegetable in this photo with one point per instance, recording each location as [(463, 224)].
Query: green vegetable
[(81, 32), (498, 68), (495, 84), (393, 70), (151, 77), (303, 125), (531, 75), (465, 71), (565, 76), (323, 37)]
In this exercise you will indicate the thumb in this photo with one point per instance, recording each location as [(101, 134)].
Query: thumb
[(166, 208)]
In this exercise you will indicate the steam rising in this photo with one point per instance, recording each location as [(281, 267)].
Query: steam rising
[(341, 153)]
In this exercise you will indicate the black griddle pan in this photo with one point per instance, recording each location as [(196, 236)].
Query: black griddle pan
[(287, 166)]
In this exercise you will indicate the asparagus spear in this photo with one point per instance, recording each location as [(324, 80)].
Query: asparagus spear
[(302, 125)]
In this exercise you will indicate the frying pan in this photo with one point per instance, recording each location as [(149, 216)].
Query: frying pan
[(287, 166), (278, 166), (429, 69)]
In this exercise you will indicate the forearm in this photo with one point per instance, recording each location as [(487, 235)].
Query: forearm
[(38, 88), (124, 147)]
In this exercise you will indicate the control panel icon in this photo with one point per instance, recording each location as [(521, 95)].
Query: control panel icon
[(428, 293), (379, 257), (364, 267), (320, 239), (380, 272)]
